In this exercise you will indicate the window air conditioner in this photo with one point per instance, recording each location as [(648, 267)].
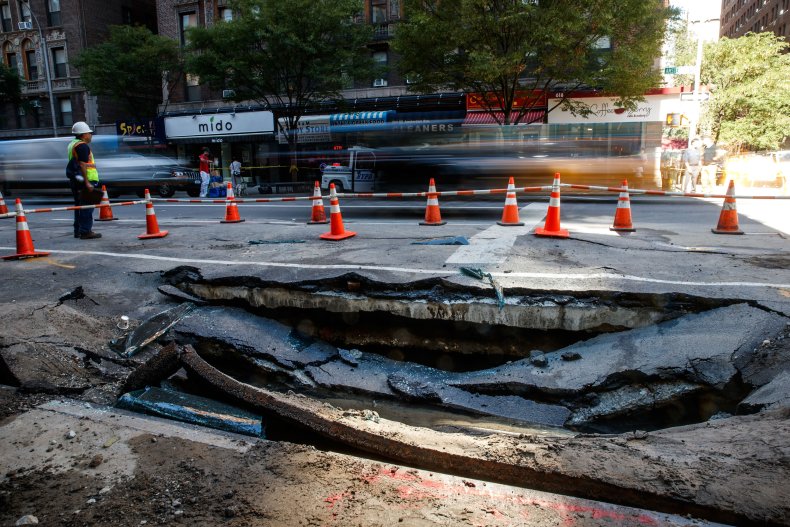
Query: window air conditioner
[(378, 83), (228, 94), (25, 25)]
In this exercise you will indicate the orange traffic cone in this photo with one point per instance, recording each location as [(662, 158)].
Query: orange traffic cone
[(622, 216), (105, 211), (728, 219), (336, 229), (510, 213), (151, 225), (318, 215), (231, 210), (552, 225), (3, 207), (433, 216), (24, 242)]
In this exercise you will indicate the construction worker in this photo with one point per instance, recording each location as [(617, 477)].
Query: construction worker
[(83, 178)]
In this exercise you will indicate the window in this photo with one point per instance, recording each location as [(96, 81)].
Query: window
[(380, 60), (53, 12), (187, 20), (226, 14), (5, 16), (29, 56), (24, 8), (65, 117), (378, 11), (59, 62), (193, 87)]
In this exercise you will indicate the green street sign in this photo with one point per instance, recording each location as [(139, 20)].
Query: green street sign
[(670, 71)]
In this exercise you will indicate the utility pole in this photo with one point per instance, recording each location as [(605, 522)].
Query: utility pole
[(43, 48)]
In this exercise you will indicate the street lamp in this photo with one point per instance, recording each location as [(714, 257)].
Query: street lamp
[(43, 48)]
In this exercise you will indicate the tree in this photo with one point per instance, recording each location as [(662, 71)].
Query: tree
[(750, 102), (287, 54), (501, 49), (10, 86), (128, 67)]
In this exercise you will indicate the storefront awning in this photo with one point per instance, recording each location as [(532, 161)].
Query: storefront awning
[(358, 118), (486, 118)]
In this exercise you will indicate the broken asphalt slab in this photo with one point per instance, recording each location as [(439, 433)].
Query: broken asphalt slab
[(367, 373), (705, 348)]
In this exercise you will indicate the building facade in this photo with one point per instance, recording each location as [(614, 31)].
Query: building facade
[(39, 39), (739, 17)]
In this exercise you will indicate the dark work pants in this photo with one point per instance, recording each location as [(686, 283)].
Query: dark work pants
[(83, 218)]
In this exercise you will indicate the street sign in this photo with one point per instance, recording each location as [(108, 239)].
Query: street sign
[(679, 70), (702, 96)]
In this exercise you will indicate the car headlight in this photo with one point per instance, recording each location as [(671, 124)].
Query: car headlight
[(177, 173)]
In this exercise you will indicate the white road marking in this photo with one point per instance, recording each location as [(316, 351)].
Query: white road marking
[(613, 277), (493, 245)]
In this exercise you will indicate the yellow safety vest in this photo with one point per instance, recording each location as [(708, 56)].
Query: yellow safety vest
[(92, 173)]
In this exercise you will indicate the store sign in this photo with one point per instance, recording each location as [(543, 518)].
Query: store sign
[(604, 110), (309, 129), (219, 124), (134, 128), (523, 99)]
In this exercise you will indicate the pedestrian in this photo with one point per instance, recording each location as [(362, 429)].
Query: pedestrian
[(235, 176), (83, 179), (205, 172), (691, 162), (712, 156)]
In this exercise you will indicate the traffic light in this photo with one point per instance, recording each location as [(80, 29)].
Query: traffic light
[(673, 119)]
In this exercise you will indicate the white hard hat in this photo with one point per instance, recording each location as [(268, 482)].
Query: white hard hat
[(81, 127)]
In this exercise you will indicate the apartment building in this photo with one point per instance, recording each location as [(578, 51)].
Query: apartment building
[(739, 17), (39, 39)]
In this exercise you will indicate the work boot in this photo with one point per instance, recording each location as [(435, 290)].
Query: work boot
[(90, 236)]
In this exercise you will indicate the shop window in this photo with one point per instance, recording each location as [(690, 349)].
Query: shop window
[(65, 117), (5, 16), (59, 62), (53, 12), (187, 20)]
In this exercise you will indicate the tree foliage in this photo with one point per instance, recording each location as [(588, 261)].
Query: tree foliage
[(10, 85), (501, 47), (286, 54), (750, 103), (129, 67)]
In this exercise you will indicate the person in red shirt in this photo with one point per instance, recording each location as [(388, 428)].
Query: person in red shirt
[(205, 171)]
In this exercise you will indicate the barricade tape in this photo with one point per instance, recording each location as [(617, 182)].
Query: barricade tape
[(478, 192), (74, 207), (668, 193), (361, 195)]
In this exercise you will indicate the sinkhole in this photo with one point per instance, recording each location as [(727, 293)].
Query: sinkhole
[(440, 355)]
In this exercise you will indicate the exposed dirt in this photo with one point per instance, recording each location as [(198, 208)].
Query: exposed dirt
[(739, 464)]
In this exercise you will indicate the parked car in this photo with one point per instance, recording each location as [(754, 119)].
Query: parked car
[(40, 165)]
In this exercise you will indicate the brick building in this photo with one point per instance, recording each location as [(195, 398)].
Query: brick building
[(67, 27), (739, 17), (188, 104)]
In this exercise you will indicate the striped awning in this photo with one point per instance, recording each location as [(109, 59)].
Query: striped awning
[(482, 118), (358, 118)]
